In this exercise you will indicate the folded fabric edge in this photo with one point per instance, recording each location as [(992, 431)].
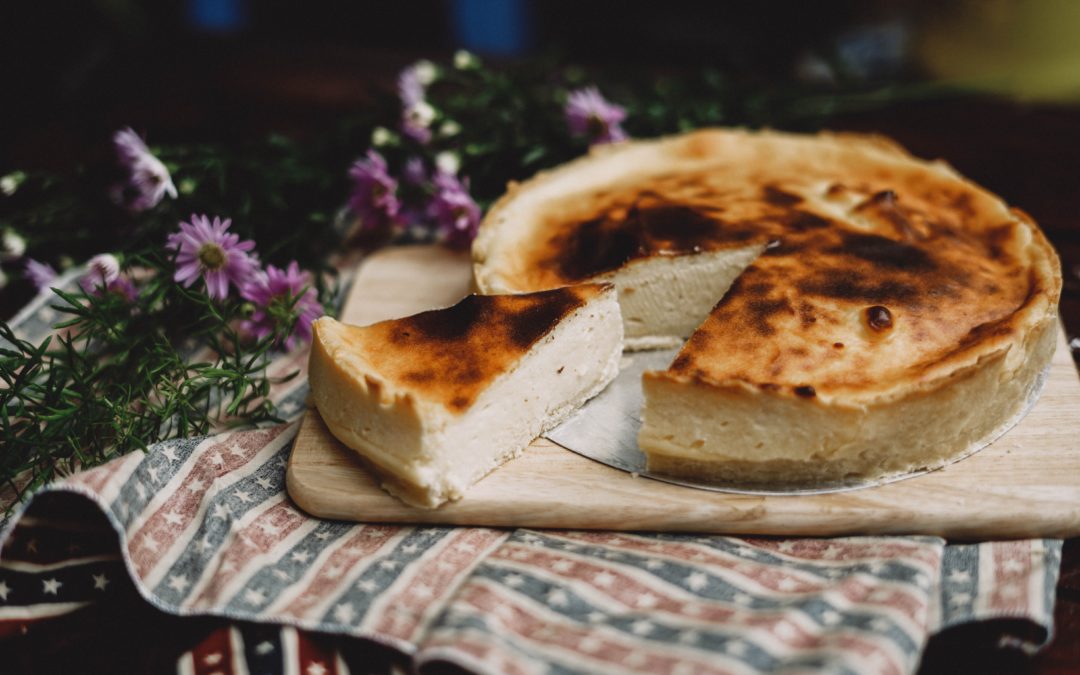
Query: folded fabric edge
[(406, 649)]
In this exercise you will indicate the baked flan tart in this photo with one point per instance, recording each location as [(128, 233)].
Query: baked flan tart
[(435, 401), (850, 312)]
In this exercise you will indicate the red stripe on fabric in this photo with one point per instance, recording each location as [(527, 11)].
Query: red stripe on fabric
[(260, 536), (184, 503), (626, 587), (843, 551), (766, 574), (435, 576), (626, 591), (793, 635), (839, 550), (623, 588), (577, 641), (693, 552), (21, 626), (1011, 580), (493, 603), (881, 657), (363, 543), (312, 657), (11, 627), (483, 652), (95, 479), (214, 654)]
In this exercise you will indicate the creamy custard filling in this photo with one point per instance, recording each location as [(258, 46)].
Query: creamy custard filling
[(432, 439)]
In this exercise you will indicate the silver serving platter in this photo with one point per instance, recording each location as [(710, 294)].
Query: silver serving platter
[(605, 430)]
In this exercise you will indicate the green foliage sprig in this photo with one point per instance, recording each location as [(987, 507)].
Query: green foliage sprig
[(122, 373)]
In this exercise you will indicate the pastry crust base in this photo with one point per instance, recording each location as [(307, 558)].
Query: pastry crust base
[(718, 435)]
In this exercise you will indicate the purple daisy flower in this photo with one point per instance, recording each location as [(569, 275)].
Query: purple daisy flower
[(101, 270), (374, 197), (123, 287), (282, 297), (414, 171), (207, 249), (416, 113), (454, 211), (148, 179), (413, 81), (103, 276), (588, 113), (40, 274), (416, 121)]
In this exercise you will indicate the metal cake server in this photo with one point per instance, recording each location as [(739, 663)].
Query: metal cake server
[(606, 428)]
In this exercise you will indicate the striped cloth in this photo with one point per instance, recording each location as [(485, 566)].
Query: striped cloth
[(205, 527)]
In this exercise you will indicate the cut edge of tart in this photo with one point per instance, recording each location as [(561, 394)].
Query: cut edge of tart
[(745, 436), (436, 401)]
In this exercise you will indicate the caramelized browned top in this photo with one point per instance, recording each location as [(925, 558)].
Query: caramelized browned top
[(672, 215), (639, 225), (450, 355), (878, 266)]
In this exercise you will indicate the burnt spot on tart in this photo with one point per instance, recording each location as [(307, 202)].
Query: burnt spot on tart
[(450, 355), (879, 319), (883, 251), (853, 286), (801, 221), (536, 319), (671, 216), (761, 310), (779, 197), (998, 240), (606, 243), (883, 206)]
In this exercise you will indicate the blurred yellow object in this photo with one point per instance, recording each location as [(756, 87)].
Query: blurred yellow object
[(1027, 49)]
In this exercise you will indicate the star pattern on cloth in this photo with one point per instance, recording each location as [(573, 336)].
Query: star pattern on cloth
[(254, 596), (344, 613)]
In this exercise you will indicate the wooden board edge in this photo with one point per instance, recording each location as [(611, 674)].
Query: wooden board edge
[(735, 517)]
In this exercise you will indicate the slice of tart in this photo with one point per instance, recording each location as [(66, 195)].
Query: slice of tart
[(435, 401), (886, 314)]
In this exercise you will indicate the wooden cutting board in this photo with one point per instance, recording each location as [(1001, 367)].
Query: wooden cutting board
[(1025, 484)]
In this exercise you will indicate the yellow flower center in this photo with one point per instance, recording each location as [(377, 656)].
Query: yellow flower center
[(211, 256)]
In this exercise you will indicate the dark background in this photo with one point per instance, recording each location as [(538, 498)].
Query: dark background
[(233, 69)]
